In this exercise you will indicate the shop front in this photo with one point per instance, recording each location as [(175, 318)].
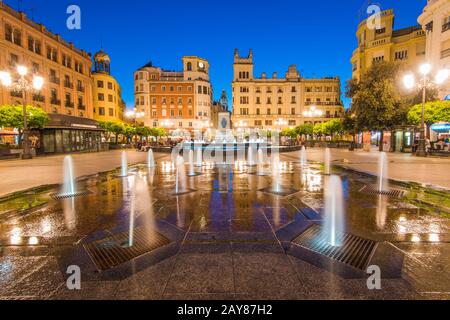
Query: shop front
[(67, 134), (402, 139)]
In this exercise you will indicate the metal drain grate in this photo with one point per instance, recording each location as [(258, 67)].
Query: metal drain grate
[(355, 251), (394, 193), (115, 250), (60, 196)]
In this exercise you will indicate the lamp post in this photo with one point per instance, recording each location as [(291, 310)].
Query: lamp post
[(135, 115), (22, 86), (313, 112), (424, 83), (280, 123)]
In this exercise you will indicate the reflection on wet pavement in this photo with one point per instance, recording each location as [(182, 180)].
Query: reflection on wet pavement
[(224, 237)]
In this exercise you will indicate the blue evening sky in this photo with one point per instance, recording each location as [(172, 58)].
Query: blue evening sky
[(317, 36)]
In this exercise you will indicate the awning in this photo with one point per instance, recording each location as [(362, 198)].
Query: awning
[(59, 121), (8, 133)]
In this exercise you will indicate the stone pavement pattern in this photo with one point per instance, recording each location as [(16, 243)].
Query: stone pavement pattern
[(19, 175)]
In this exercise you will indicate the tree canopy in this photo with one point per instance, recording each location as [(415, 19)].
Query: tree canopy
[(437, 111), (377, 102), (12, 116)]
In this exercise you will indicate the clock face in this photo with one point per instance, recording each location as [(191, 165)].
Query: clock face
[(201, 65)]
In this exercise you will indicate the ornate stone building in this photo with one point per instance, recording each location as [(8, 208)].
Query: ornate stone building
[(108, 103), (278, 103), (435, 21), (67, 92), (386, 44), (175, 100)]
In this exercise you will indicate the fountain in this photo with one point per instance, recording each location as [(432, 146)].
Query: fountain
[(260, 163), (327, 161), (250, 160), (334, 211), (180, 175), (124, 171), (276, 187), (150, 159), (191, 164), (383, 184), (303, 157), (69, 179), (199, 162)]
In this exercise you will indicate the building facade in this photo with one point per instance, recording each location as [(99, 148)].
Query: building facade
[(107, 94), (175, 100), (435, 21), (386, 44), (67, 92), (280, 103)]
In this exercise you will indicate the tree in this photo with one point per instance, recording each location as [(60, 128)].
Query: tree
[(318, 129), (12, 116), (128, 131), (306, 129), (436, 111), (376, 99)]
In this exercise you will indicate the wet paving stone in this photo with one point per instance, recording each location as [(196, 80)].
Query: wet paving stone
[(228, 240)]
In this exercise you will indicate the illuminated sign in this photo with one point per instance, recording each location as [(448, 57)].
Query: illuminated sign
[(441, 127)]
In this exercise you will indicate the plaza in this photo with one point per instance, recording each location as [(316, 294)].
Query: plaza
[(226, 235)]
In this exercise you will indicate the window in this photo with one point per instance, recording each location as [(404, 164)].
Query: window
[(308, 89), (258, 123), (164, 113), (14, 60), (52, 54), (180, 101), (293, 100), (35, 68), (13, 35), (66, 61), (111, 112), (258, 100), (110, 86), (378, 59), (293, 111), (153, 88), (401, 55), (34, 45), (101, 111), (110, 98), (179, 88), (258, 111), (244, 111), (172, 88), (269, 111), (279, 111), (280, 100), (101, 97), (189, 66), (153, 100), (293, 90), (100, 84), (268, 122), (292, 123), (244, 100), (163, 88), (380, 31), (269, 101), (78, 67)]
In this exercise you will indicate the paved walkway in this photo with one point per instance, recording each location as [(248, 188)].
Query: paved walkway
[(402, 167), (19, 175)]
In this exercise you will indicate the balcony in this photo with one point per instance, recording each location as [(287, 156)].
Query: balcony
[(38, 98), (68, 84), (16, 94), (445, 53), (55, 102), (446, 27), (69, 104), (55, 80)]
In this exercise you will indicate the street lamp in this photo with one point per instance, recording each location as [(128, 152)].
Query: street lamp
[(22, 86), (280, 123), (135, 115), (313, 112), (424, 83)]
